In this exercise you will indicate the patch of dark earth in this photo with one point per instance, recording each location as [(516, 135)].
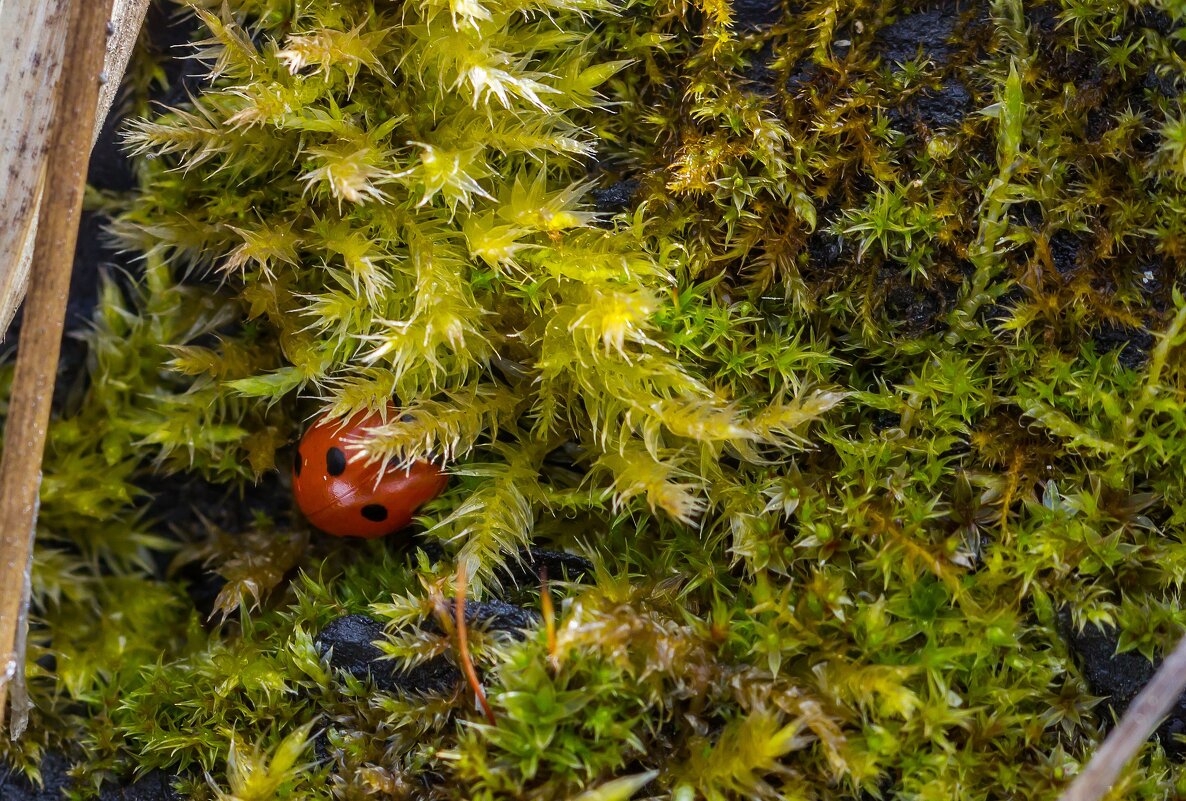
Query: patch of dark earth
[(181, 501), (1118, 678), (803, 75), (530, 565), (928, 31), (996, 315), (1066, 250), (525, 568), (883, 420), (824, 249), (756, 15), (760, 76), (348, 642), (919, 310), (56, 782), (615, 198), (933, 109), (1133, 344), (187, 503)]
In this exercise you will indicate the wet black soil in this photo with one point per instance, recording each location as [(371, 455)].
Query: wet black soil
[(1118, 677), (55, 782), (348, 643)]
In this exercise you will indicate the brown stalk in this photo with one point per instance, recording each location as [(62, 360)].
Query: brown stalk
[(44, 316), (549, 611), (467, 664)]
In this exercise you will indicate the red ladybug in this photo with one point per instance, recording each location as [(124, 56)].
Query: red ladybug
[(343, 495)]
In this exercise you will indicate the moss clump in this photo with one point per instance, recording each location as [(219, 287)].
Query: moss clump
[(869, 367)]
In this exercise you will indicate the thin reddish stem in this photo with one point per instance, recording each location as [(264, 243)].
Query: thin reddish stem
[(545, 599), (467, 664)]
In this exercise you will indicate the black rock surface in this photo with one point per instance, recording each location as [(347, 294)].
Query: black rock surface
[(1066, 250), (55, 782), (756, 15), (1132, 343), (928, 30), (616, 197), (497, 616), (523, 570), (1117, 678), (349, 642), (526, 571), (154, 786), (944, 107)]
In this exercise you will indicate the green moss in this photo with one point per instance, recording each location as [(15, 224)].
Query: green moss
[(880, 370)]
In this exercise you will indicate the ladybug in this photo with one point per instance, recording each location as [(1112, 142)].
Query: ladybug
[(343, 495)]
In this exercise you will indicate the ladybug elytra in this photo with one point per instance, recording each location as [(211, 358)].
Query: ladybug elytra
[(343, 495)]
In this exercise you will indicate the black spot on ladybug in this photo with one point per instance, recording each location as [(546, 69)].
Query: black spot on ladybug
[(335, 461), (394, 463), (375, 512), (296, 464)]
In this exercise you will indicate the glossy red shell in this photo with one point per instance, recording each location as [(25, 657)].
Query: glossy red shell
[(342, 495)]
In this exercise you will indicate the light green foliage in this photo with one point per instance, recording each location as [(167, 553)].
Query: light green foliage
[(397, 263), (878, 376), (254, 776)]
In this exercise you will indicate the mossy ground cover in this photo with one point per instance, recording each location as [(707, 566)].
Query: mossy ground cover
[(844, 338)]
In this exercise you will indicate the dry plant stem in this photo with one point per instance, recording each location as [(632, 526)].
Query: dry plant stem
[(30, 65), (127, 18), (1136, 725), (29, 69), (45, 310), (467, 664), (545, 599)]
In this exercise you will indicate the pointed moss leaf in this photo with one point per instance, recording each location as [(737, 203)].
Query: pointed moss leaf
[(618, 789), (1012, 118), (274, 385)]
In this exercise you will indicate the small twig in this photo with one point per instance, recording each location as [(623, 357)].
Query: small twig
[(45, 312), (467, 664), (30, 68), (1139, 721), (545, 600)]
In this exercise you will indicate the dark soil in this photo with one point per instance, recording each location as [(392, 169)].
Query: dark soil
[(917, 309), (154, 786), (1117, 678), (1133, 344), (1066, 251), (927, 32), (944, 107), (882, 420), (525, 573), (756, 15), (616, 197), (348, 642)]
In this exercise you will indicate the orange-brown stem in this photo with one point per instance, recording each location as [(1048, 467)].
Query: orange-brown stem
[(545, 599), (467, 664)]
